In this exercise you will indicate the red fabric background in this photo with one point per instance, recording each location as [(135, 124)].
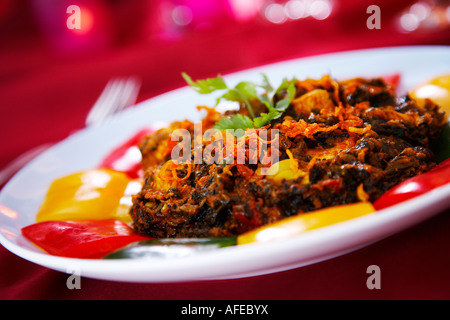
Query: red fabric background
[(45, 94)]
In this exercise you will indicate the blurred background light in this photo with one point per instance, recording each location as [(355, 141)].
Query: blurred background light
[(275, 13), (295, 9), (425, 16), (280, 12), (182, 15), (244, 10), (409, 22), (421, 10), (320, 9), (87, 21)]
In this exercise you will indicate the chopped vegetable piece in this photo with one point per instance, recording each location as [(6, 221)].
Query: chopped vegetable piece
[(304, 222), (170, 248), (393, 79), (90, 239), (285, 170), (415, 186), (91, 194)]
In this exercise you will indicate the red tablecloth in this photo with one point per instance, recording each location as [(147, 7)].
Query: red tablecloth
[(45, 95)]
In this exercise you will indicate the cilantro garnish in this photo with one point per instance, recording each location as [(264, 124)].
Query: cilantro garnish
[(244, 92), (235, 122), (205, 86)]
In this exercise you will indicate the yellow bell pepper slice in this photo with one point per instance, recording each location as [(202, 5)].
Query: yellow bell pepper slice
[(122, 212), (437, 90), (91, 194), (296, 225), (285, 170)]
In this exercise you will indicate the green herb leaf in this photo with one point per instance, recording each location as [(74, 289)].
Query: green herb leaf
[(245, 92), (283, 104), (266, 84), (248, 89), (265, 118), (207, 85), (234, 122)]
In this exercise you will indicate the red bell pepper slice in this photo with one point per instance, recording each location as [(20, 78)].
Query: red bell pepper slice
[(393, 79), (170, 145), (415, 186), (126, 157), (88, 239)]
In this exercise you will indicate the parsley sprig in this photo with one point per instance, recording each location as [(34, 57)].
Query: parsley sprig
[(245, 92)]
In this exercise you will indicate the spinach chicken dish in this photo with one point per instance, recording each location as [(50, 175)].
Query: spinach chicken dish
[(338, 142)]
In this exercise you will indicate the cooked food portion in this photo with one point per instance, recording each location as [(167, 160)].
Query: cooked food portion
[(335, 143)]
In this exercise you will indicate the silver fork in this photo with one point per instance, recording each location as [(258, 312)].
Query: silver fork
[(118, 94)]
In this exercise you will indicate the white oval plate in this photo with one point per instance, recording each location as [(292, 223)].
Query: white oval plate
[(21, 197)]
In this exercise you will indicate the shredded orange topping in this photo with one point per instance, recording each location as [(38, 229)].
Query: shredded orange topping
[(169, 171), (362, 195), (294, 128)]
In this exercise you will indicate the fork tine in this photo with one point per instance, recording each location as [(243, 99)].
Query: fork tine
[(99, 103), (122, 96), (129, 94), (110, 102), (117, 95), (134, 91)]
